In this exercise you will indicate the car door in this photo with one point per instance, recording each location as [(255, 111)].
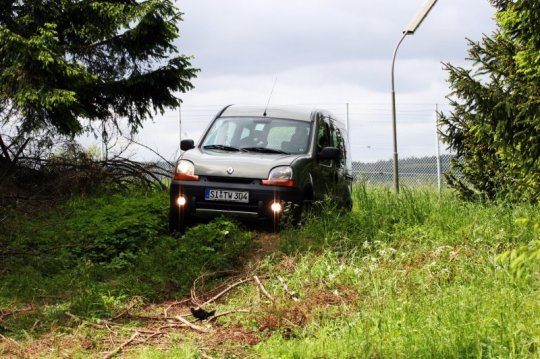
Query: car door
[(343, 178), (324, 174)]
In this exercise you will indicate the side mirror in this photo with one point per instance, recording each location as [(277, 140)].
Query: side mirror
[(328, 153), (186, 145)]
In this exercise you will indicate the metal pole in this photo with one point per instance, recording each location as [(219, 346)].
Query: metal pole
[(394, 131), (179, 123), (439, 185), (347, 117)]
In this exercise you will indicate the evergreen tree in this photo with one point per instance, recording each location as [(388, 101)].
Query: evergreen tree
[(62, 61), (494, 126)]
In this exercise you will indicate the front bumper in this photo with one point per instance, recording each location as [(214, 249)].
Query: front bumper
[(261, 197)]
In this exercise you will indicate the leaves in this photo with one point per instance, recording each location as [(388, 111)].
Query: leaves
[(495, 122), (62, 61)]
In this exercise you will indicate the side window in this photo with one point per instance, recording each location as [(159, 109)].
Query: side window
[(340, 144), (324, 138)]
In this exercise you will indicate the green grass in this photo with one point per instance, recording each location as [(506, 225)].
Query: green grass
[(91, 256), (424, 280), (413, 275)]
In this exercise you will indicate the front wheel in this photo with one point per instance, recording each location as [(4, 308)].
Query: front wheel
[(178, 220)]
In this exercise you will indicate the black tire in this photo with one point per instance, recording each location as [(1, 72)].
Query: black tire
[(178, 220)]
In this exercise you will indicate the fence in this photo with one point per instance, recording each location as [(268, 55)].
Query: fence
[(423, 171), (422, 159)]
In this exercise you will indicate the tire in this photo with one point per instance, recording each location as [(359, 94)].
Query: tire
[(178, 220)]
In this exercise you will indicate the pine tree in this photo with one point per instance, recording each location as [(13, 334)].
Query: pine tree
[(62, 61), (494, 124)]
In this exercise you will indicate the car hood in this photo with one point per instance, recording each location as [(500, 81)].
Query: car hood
[(244, 164)]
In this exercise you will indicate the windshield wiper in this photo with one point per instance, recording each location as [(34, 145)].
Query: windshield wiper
[(264, 150), (221, 147)]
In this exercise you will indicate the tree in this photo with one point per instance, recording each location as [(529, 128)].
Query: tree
[(494, 126), (63, 61)]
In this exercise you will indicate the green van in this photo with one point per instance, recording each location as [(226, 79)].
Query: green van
[(257, 162)]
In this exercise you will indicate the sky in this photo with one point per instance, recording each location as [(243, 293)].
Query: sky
[(331, 54)]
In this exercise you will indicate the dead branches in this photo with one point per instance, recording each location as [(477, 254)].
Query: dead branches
[(122, 346), (263, 289), (8, 313), (191, 325), (164, 324)]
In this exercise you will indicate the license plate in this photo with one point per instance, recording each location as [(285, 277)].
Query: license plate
[(226, 195)]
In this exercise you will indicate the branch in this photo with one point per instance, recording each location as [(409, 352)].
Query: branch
[(229, 312), (191, 325), (263, 289), (150, 149), (5, 150), (225, 291), (292, 295), (122, 346)]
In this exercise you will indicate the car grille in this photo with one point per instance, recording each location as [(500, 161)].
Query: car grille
[(231, 180)]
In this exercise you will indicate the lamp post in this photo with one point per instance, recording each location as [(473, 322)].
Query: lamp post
[(409, 30)]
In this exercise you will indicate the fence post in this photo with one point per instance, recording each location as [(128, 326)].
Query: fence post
[(348, 117), (179, 124), (438, 149)]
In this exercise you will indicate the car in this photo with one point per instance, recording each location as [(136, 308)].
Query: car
[(260, 162)]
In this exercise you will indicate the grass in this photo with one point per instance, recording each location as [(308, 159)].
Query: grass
[(424, 280), (414, 275)]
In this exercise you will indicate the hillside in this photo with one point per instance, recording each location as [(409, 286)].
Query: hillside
[(414, 275)]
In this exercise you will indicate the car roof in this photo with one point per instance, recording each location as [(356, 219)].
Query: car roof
[(288, 112)]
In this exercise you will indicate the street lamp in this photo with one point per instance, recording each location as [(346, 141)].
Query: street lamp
[(409, 30)]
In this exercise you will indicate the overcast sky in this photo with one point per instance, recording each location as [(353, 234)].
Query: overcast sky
[(324, 53)]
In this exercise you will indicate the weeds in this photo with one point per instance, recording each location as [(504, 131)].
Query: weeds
[(413, 275)]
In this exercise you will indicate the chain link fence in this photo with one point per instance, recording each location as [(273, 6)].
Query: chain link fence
[(413, 171), (423, 160)]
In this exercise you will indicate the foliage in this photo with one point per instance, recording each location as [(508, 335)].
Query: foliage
[(95, 253), (408, 275), (494, 126), (524, 259), (404, 276), (64, 61)]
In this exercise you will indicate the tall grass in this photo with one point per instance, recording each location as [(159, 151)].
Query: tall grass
[(91, 255), (416, 276), (401, 276), (419, 215)]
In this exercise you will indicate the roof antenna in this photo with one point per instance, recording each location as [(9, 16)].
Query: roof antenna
[(270, 96)]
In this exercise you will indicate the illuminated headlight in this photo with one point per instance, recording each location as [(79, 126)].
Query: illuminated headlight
[(280, 176), (181, 201), (185, 170), (276, 207)]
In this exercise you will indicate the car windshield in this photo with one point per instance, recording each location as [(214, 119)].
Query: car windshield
[(258, 134)]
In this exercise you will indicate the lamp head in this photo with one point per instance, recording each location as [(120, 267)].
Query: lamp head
[(420, 16)]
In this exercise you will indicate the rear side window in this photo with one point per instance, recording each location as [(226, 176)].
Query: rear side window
[(339, 142)]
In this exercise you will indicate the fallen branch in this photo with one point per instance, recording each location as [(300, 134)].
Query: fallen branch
[(5, 314), (191, 325), (122, 346), (8, 339), (229, 312), (225, 291), (291, 295), (95, 325), (180, 302), (263, 289), (126, 311)]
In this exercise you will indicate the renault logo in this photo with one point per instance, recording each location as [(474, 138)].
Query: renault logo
[(230, 170)]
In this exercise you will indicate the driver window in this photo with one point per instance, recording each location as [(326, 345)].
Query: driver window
[(323, 136)]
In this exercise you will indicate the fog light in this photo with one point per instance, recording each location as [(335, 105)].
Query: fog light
[(276, 207), (181, 201)]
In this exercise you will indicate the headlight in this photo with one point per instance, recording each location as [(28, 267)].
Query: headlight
[(185, 170), (280, 176)]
